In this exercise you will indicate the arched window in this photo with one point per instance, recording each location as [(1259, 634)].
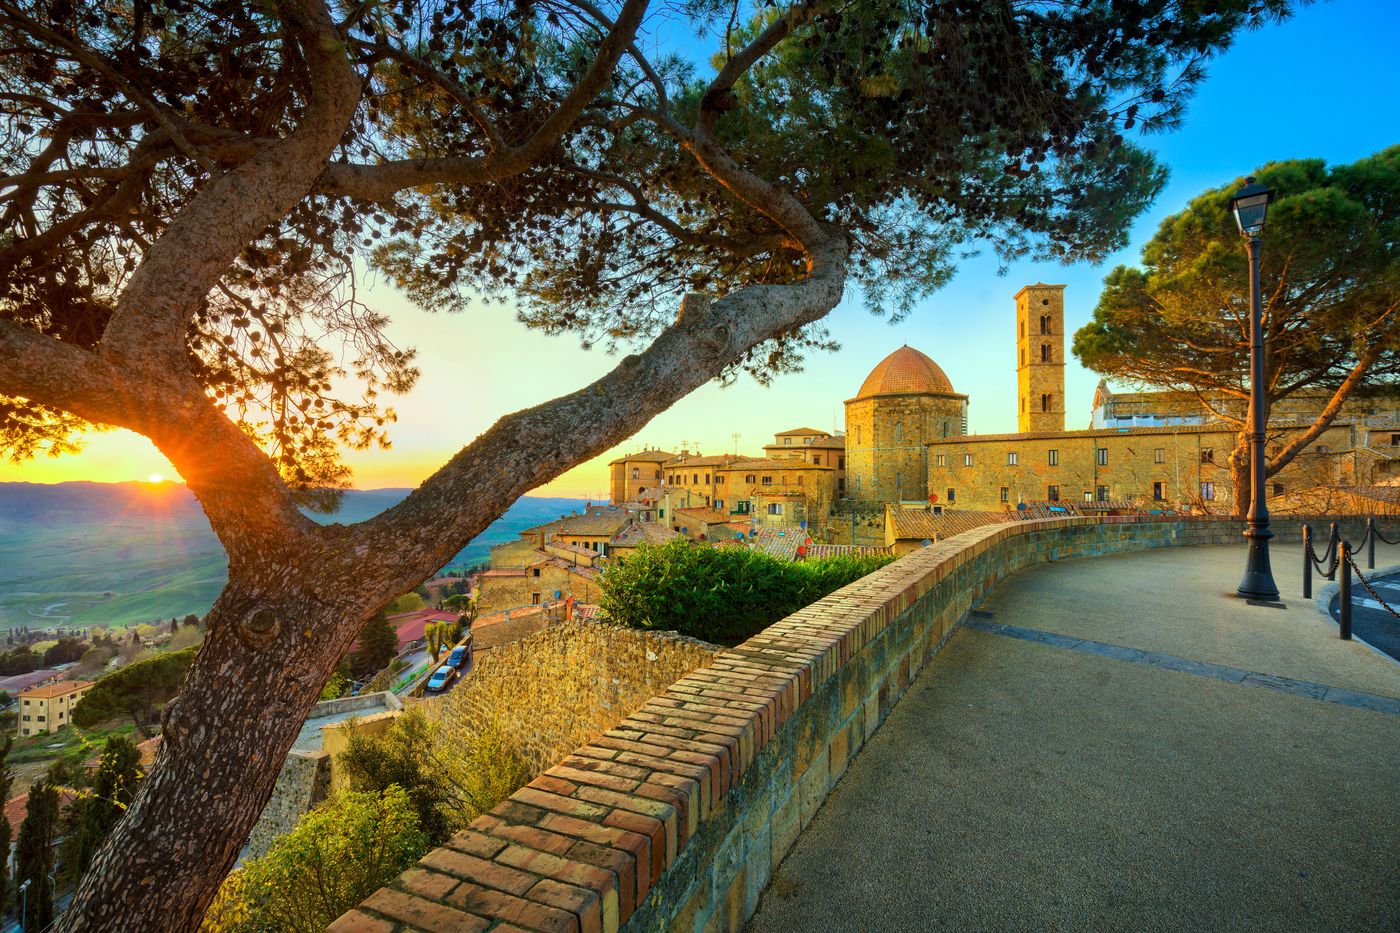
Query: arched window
[(1045, 352), (857, 434), (898, 431), (1045, 323), (1045, 402)]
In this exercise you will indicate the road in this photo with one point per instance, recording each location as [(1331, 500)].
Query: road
[(1370, 621)]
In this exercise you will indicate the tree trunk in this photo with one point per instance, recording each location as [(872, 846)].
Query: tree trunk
[(1242, 489), (226, 735)]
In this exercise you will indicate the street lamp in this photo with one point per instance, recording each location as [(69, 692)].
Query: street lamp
[(1249, 206), (24, 904)]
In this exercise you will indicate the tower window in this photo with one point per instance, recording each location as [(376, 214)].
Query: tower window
[(1045, 402), (967, 459), (1101, 456), (1159, 455), (1045, 352), (1054, 458), (1045, 324), (1012, 458), (899, 431), (940, 460)]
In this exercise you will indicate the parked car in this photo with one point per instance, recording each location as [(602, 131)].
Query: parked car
[(441, 679), (461, 656)]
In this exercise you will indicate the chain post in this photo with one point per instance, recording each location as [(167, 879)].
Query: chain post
[(1332, 538), (1307, 562), (1345, 595), (1370, 543)]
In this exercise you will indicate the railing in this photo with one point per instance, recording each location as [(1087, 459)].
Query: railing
[(1341, 555)]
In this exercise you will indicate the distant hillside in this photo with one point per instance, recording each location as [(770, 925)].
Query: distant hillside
[(121, 553)]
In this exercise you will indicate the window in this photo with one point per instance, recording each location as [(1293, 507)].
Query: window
[(898, 484), (707, 502), (767, 481), (719, 503), (636, 473), (1052, 493), (748, 477), (1278, 489), (840, 463), (742, 507), (800, 481), (1012, 459), (898, 431), (534, 599), (1159, 455), (707, 479), (1101, 493), (1045, 402), (840, 484), (1054, 458), (1045, 323), (940, 460), (967, 459), (816, 459), (945, 429), (1159, 491), (857, 435), (534, 571), (656, 474), (1395, 440), (695, 479), (1208, 491), (787, 442), (952, 494), (775, 508), (1023, 357), (1045, 352), (1101, 456), (1005, 494), (783, 480), (719, 479), (1207, 454), (1322, 448)]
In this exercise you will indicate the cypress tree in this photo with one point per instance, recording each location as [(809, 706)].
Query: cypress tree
[(34, 855), (378, 644), (93, 817), (7, 778)]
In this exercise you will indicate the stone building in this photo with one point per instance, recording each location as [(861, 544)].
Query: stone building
[(49, 707), (637, 477), (813, 446), (1040, 358), (905, 403)]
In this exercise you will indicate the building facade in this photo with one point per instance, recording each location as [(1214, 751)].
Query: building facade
[(1040, 358), (905, 403), (49, 707)]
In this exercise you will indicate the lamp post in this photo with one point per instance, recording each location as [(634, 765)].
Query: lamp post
[(24, 904), (1249, 206)]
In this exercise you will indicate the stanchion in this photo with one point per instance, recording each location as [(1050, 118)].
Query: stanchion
[(1344, 562), (1307, 562), (1370, 544), (1331, 543)]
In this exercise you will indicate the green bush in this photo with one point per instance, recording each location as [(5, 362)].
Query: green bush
[(337, 855), (719, 594)]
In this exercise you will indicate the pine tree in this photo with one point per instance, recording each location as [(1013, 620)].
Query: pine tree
[(34, 855), (92, 817)]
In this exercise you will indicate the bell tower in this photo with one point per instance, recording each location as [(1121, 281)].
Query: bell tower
[(1040, 358)]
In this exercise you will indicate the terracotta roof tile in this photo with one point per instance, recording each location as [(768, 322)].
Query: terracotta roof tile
[(775, 463), (645, 456), (906, 371), (48, 691), (644, 533), (708, 516), (802, 431), (595, 523)]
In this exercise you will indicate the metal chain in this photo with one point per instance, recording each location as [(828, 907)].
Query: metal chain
[(1382, 538), (1332, 557), (1374, 595)]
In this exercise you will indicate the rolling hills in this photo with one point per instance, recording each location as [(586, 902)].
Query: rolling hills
[(116, 554)]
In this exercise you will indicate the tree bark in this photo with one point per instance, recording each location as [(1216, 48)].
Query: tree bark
[(225, 737), (1239, 476)]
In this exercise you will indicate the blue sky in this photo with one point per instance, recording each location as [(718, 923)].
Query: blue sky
[(1321, 85)]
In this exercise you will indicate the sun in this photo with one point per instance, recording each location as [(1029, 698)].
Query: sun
[(155, 478)]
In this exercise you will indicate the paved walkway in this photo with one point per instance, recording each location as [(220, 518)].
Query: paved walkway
[(1137, 752)]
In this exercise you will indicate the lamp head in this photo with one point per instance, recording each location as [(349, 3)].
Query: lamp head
[(1249, 205)]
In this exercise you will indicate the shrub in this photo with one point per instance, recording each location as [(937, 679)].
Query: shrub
[(336, 856), (719, 594), (402, 756)]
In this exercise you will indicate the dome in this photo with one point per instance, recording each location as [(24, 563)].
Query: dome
[(906, 371)]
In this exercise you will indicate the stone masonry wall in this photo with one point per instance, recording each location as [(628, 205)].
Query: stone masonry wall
[(675, 818)]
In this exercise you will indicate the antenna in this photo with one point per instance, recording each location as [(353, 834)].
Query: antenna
[(736, 436)]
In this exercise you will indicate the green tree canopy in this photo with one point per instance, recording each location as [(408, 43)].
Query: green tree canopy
[(378, 645), (337, 855), (1330, 279), (136, 690), (7, 779)]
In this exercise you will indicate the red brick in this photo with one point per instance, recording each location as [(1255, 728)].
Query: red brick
[(560, 869), (555, 785), (655, 830), (526, 913), (474, 843), (524, 835), (621, 864), (429, 884), (423, 914), (480, 871), (596, 778), (581, 902), (356, 922), (566, 805)]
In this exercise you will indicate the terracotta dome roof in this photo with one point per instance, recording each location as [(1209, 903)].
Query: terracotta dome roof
[(906, 371)]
